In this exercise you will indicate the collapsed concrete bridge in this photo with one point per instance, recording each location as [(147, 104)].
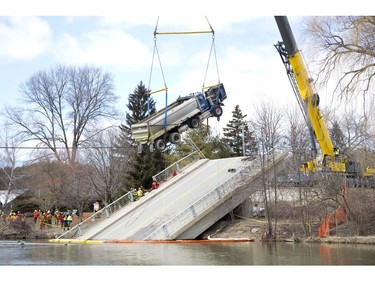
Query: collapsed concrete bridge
[(184, 206)]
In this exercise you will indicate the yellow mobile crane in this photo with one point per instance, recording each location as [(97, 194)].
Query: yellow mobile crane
[(297, 73)]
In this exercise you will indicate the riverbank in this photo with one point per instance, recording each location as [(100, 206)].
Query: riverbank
[(249, 229), (27, 231), (286, 232)]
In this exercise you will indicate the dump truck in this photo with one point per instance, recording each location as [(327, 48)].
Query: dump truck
[(166, 125)]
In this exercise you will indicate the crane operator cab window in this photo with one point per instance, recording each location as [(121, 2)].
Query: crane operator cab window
[(336, 152)]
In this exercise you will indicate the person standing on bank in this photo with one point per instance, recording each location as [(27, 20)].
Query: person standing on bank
[(96, 206), (69, 219), (36, 215)]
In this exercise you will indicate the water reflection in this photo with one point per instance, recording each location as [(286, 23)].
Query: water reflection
[(243, 253)]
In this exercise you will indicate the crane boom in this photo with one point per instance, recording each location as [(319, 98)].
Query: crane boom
[(291, 55)]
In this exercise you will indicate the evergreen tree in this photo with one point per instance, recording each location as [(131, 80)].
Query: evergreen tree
[(145, 164), (139, 105), (251, 146), (337, 136), (209, 143), (237, 134)]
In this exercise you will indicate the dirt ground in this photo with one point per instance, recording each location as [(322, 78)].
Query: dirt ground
[(286, 232), (247, 228), (28, 230), (18, 231)]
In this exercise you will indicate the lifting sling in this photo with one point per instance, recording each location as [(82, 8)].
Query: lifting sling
[(155, 51)]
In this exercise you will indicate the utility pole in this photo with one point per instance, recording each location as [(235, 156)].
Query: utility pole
[(243, 139), (243, 126)]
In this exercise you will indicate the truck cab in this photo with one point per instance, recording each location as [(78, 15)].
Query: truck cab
[(215, 97)]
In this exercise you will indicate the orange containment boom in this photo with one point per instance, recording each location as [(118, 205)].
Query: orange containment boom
[(189, 241)]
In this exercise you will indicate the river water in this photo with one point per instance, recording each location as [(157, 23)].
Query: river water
[(239, 253), (192, 262)]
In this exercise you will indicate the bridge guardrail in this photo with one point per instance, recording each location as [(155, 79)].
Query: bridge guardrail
[(177, 225), (177, 167), (109, 210), (97, 217)]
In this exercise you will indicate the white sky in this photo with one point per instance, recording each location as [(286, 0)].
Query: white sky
[(118, 37)]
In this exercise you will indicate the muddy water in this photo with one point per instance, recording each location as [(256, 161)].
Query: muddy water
[(241, 253)]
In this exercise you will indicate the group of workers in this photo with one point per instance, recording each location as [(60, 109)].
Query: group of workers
[(64, 219), (44, 219), (155, 184), (12, 217), (140, 191)]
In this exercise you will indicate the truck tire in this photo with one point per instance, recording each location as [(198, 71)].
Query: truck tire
[(174, 138), (160, 145), (193, 123), (218, 111)]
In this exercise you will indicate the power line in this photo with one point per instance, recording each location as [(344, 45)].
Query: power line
[(57, 148)]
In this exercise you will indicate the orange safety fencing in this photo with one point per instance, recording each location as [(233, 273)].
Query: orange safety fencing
[(339, 217), (324, 227), (331, 220)]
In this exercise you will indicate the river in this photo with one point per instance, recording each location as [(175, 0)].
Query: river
[(239, 253), (39, 260)]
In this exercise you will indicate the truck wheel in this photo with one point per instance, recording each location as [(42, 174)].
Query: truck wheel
[(174, 138), (193, 123), (218, 111), (160, 145)]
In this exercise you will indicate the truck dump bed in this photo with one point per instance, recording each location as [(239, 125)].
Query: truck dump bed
[(157, 124), (166, 125)]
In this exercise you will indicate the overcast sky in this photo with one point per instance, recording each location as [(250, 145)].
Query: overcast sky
[(120, 40)]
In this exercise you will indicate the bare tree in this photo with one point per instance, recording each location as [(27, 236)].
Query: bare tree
[(359, 129), (298, 138), (109, 163), (300, 142), (267, 125), (9, 154), (47, 181), (78, 192), (59, 108), (333, 197), (345, 47), (359, 136), (57, 185), (362, 210)]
